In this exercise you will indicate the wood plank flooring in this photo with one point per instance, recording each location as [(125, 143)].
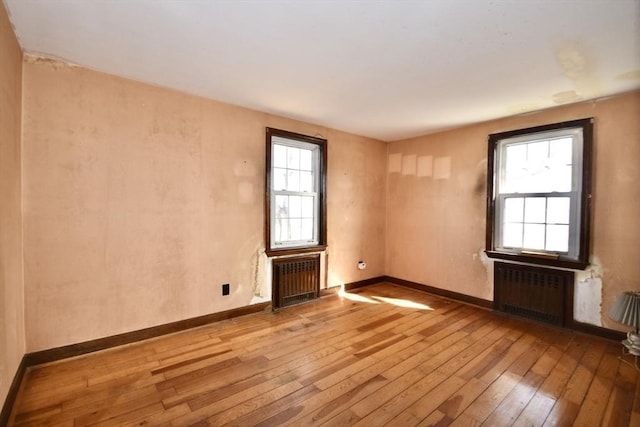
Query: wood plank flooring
[(383, 355)]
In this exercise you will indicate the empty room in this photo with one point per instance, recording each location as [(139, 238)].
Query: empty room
[(317, 212)]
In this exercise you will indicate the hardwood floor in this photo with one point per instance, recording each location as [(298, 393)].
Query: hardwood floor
[(383, 355)]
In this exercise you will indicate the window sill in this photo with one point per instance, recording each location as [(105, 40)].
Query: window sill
[(295, 250), (539, 260)]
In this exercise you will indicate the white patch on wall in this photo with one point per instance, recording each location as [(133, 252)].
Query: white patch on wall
[(425, 166), (245, 192), (244, 168), (409, 164), (395, 162), (587, 301), (442, 168)]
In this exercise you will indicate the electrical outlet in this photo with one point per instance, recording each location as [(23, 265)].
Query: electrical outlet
[(225, 289)]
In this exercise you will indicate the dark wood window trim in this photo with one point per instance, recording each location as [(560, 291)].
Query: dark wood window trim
[(582, 260), (322, 196)]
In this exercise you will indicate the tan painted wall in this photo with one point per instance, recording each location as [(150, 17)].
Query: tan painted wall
[(139, 202), (436, 224), (12, 334)]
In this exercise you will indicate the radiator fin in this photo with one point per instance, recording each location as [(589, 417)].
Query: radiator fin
[(296, 279), (532, 292)]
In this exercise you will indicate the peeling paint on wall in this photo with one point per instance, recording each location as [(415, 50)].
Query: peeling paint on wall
[(587, 301)]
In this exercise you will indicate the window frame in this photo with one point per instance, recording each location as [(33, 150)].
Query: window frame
[(321, 200), (580, 258)]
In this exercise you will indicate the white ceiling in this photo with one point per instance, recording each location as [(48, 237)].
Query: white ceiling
[(385, 69)]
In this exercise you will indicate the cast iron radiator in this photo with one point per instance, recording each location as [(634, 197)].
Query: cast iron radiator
[(541, 294), (296, 280)]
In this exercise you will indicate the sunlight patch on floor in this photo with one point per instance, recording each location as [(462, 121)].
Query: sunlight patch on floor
[(356, 297), (387, 300), (403, 303)]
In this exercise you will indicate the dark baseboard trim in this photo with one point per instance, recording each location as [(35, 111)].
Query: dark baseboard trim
[(598, 331), (440, 292), (59, 353), (585, 328), (64, 352), (12, 395), (366, 282)]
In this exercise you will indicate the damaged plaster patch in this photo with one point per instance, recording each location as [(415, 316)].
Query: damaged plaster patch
[(55, 64), (487, 263), (587, 301), (523, 108), (631, 75), (566, 96), (587, 297), (578, 65)]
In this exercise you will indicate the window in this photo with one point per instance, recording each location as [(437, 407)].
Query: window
[(296, 201), (539, 193)]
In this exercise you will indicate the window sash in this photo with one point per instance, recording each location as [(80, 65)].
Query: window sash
[(276, 241), (576, 254), (573, 223)]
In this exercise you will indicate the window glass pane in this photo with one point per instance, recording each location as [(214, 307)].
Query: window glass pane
[(306, 160), (294, 227), (533, 236), (279, 179), (560, 179), (539, 179), (512, 235), (534, 209), (282, 207), (279, 156), (282, 230), (295, 208), (514, 209), (293, 158), (537, 153), (293, 180), (515, 167), (306, 233), (558, 210), (306, 181), (561, 151), (558, 238), (307, 207)]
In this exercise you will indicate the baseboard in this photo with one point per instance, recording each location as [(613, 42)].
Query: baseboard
[(598, 331), (440, 292), (420, 287), (366, 282), (59, 353), (12, 395)]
